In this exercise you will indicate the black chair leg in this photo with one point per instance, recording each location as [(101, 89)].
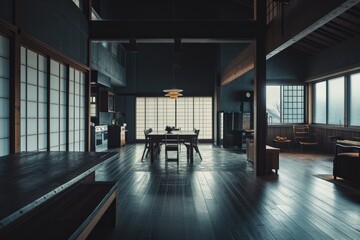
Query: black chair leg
[(197, 150), (142, 157)]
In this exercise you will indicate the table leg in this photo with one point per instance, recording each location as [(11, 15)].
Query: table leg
[(191, 150), (151, 143)]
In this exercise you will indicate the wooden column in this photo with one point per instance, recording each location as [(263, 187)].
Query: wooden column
[(87, 9), (260, 121), (15, 47)]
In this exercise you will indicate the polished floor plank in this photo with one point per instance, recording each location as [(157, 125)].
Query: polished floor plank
[(222, 198)]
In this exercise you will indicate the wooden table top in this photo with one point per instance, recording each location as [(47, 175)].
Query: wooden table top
[(349, 142), (180, 133), (30, 178), (282, 141)]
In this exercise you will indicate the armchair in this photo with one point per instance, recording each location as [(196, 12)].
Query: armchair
[(347, 162)]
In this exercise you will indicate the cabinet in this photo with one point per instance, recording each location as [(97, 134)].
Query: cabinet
[(107, 101), (232, 126), (117, 136)]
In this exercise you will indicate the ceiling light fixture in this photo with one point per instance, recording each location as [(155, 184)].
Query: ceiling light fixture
[(174, 92)]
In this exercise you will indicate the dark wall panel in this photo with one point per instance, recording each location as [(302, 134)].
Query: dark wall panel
[(103, 61), (230, 96), (58, 23), (175, 9), (6, 10), (283, 131), (287, 67), (150, 70), (324, 133)]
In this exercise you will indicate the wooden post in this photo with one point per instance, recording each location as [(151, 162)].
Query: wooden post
[(15, 47), (260, 90), (87, 8)]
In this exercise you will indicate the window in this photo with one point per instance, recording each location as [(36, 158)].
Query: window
[(329, 101), (273, 105), (355, 99), (293, 109), (320, 102), (336, 101), (285, 104), (186, 112), (4, 96)]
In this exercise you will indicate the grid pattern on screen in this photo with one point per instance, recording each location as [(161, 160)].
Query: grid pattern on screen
[(151, 113), (166, 113), (35, 87), (58, 114), (186, 113), (293, 104), (76, 110), (4, 96), (33, 95), (203, 116), (140, 117)]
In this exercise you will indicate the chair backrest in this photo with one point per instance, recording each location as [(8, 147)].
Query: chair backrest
[(146, 133), (172, 138), (301, 131), (196, 141)]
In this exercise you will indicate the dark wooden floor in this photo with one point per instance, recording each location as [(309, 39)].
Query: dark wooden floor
[(221, 198)]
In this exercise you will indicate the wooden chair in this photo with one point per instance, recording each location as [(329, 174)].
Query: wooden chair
[(172, 145), (181, 140), (147, 143), (303, 136), (194, 144)]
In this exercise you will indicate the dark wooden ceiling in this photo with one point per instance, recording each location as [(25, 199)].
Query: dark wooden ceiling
[(341, 28)]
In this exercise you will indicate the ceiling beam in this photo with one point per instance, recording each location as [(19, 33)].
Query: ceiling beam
[(296, 26), (240, 65), (164, 29)]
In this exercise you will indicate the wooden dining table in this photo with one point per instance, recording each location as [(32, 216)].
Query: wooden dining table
[(156, 137)]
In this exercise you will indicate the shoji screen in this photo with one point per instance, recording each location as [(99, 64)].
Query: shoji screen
[(166, 113), (203, 116), (4, 96), (185, 113), (33, 101), (77, 94), (57, 106)]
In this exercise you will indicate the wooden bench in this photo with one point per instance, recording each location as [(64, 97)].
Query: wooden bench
[(71, 214)]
